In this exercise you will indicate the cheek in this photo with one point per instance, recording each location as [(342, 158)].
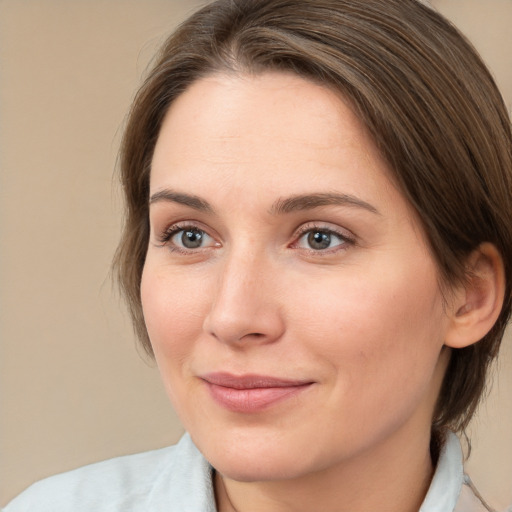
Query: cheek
[(382, 308), (173, 317), (172, 312), (381, 333)]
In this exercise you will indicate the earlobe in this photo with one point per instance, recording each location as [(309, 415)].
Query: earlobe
[(478, 302)]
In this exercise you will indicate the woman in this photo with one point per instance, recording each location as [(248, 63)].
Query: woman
[(317, 252)]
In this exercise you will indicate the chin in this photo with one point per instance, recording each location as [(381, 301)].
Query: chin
[(254, 457), (258, 469)]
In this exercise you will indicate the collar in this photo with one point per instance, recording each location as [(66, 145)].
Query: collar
[(186, 483), (446, 484)]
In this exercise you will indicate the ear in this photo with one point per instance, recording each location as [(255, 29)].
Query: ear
[(477, 303)]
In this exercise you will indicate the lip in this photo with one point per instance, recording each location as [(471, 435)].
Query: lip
[(251, 393)]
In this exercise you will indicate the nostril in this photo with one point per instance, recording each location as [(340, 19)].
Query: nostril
[(252, 335)]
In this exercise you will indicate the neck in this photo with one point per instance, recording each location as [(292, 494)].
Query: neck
[(394, 475)]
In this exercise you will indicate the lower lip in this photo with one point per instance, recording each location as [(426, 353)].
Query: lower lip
[(252, 399)]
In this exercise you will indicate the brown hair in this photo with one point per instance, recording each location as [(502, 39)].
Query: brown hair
[(429, 102)]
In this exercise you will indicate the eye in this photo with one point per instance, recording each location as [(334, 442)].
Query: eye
[(321, 239), (191, 238), (187, 238)]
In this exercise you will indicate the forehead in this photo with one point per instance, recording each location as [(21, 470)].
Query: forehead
[(267, 122)]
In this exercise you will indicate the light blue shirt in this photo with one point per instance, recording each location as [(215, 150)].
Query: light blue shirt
[(179, 479)]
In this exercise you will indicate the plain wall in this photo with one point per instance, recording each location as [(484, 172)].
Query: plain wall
[(74, 387)]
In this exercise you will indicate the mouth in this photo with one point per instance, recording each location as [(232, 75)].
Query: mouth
[(251, 393)]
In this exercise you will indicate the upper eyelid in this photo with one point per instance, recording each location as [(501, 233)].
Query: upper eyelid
[(180, 224), (176, 227), (325, 226)]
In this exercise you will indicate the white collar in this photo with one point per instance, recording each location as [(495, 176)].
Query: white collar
[(446, 484)]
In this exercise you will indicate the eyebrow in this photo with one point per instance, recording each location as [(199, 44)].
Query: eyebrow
[(280, 207), (311, 201), (189, 200)]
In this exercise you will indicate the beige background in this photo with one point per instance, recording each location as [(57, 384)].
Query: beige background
[(74, 387)]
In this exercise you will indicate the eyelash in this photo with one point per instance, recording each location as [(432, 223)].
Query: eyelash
[(166, 236), (345, 239)]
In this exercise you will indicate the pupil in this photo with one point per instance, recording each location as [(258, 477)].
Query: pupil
[(192, 239), (318, 240)]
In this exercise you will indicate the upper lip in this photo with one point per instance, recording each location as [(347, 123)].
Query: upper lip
[(251, 381)]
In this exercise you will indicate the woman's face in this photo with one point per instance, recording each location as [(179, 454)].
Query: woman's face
[(290, 297)]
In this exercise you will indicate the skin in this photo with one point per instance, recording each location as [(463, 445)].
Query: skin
[(362, 320)]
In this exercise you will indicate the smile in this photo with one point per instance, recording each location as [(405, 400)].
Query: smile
[(251, 393)]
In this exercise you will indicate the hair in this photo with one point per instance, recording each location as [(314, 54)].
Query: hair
[(428, 101)]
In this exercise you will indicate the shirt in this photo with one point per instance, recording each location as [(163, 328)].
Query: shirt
[(180, 479)]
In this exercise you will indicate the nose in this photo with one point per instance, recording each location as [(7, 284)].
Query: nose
[(245, 308)]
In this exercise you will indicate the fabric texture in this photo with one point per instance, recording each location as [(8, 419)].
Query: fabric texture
[(179, 479)]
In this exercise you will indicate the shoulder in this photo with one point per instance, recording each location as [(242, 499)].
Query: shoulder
[(113, 481), (131, 483)]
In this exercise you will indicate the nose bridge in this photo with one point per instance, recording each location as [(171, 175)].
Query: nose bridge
[(244, 304)]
